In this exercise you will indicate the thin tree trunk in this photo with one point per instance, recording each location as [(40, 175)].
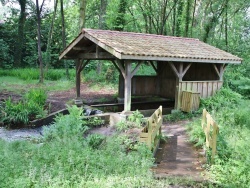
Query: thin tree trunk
[(20, 38), (83, 4), (102, 25), (174, 19), (226, 26), (192, 24), (48, 52), (187, 18), (179, 18), (38, 12), (64, 39)]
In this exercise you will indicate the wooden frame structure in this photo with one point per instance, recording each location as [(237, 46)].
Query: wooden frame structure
[(152, 131), (211, 131), (178, 62)]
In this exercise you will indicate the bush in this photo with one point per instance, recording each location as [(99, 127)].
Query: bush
[(223, 98), (66, 126), (134, 121), (18, 114)]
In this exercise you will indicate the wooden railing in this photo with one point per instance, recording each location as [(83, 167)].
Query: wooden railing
[(151, 132), (211, 130)]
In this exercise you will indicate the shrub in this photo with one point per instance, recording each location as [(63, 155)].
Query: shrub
[(135, 120), (223, 98), (16, 114), (66, 126)]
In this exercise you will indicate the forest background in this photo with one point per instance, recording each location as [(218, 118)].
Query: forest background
[(32, 34)]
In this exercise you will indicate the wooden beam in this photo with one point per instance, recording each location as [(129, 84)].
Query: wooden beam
[(186, 69), (135, 69), (119, 64), (95, 56), (154, 67), (174, 69), (84, 64), (216, 69), (127, 92), (219, 71), (116, 66), (78, 39)]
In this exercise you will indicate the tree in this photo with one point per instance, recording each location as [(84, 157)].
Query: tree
[(64, 39), (40, 60), (83, 4), (48, 49), (120, 18), (19, 44)]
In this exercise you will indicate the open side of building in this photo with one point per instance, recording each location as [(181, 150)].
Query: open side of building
[(180, 63)]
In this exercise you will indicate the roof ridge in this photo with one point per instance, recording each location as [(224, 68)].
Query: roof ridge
[(135, 33)]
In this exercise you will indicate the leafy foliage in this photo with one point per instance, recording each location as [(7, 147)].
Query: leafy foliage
[(15, 114), (135, 120), (232, 161)]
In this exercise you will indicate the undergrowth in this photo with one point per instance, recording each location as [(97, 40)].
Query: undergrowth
[(232, 162), (65, 158), (17, 114)]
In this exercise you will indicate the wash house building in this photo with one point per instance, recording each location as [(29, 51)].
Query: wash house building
[(180, 63)]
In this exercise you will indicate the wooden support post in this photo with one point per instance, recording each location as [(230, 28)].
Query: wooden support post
[(127, 92), (78, 77), (180, 73)]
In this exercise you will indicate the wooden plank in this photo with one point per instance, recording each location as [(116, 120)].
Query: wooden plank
[(209, 89), (204, 90), (196, 88), (189, 86)]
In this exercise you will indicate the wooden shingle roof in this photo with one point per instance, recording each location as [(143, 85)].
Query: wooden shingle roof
[(140, 46)]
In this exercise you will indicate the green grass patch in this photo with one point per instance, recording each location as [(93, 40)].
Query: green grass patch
[(20, 86), (68, 157), (232, 162)]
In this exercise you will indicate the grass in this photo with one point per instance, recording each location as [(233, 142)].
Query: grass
[(232, 162), (67, 157), (18, 85)]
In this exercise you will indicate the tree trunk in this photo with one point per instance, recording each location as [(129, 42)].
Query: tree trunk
[(83, 4), (48, 55), (179, 18), (120, 19), (192, 24), (64, 39), (187, 18), (38, 12), (20, 37), (102, 25), (226, 27)]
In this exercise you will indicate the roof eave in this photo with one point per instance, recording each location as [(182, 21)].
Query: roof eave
[(70, 46), (178, 59)]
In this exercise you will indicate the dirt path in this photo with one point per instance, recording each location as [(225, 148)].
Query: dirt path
[(177, 157)]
